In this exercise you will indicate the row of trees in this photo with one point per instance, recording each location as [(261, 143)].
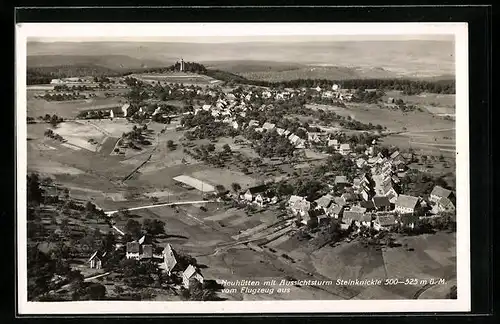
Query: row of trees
[(406, 85)]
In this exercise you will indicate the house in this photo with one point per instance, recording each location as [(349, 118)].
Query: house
[(381, 203), (341, 201), (384, 222), (268, 126), (439, 192), (341, 180), (368, 205), (96, 260), (394, 155), (293, 199), (408, 220), (169, 258), (358, 209), (261, 200), (360, 162), (280, 131), (251, 193), (253, 122), (406, 204), (389, 192), (191, 273), (349, 196), (444, 205), (335, 211), (372, 161), (141, 249), (334, 143), (125, 108), (345, 149), (313, 214), (324, 202), (352, 217), (301, 207), (313, 137)]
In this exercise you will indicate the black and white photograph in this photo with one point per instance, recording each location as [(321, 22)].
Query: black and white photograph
[(252, 168)]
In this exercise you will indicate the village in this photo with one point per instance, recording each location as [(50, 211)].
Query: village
[(351, 184)]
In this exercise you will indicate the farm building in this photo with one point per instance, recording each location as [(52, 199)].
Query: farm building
[(439, 192), (384, 222), (191, 273), (97, 260), (169, 258), (406, 204)]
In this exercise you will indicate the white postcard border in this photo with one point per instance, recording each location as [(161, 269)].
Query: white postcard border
[(459, 30)]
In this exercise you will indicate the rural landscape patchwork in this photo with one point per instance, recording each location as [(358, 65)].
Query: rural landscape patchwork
[(241, 170)]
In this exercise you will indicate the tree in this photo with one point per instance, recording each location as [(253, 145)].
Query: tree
[(34, 192), (226, 148), (236, 187), (220, 189), (170, 144), (153, 226), (95, 291), (134, 228)]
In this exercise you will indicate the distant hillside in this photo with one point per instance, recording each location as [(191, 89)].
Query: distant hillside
[(421, 58), (66, 71), (321, 72), (246, 66), (112, 62)]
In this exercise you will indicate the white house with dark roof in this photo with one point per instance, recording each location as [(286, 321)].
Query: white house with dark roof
[(345, 149), (384, 222), (324, 202), (191, 273), (169, 258), (439, 192), (406, 204)]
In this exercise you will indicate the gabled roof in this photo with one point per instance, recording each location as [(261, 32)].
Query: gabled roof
[(440, 192), (267, 125), (367, 204), (341, 180), (133, 247), (335, 209), (358, 209), (302, 205), (406, 201), (349, 196), (147, 251), (324, 201), (385, 220), (350, 216), (381, 201), (394, 154), (345, 146), (340, 201), (189, 272), (169, 257), (96, 254), (446, 203), (294, 198)]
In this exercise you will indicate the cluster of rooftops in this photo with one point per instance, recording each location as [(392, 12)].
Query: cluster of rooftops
[(144, 250), (372, 198)]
